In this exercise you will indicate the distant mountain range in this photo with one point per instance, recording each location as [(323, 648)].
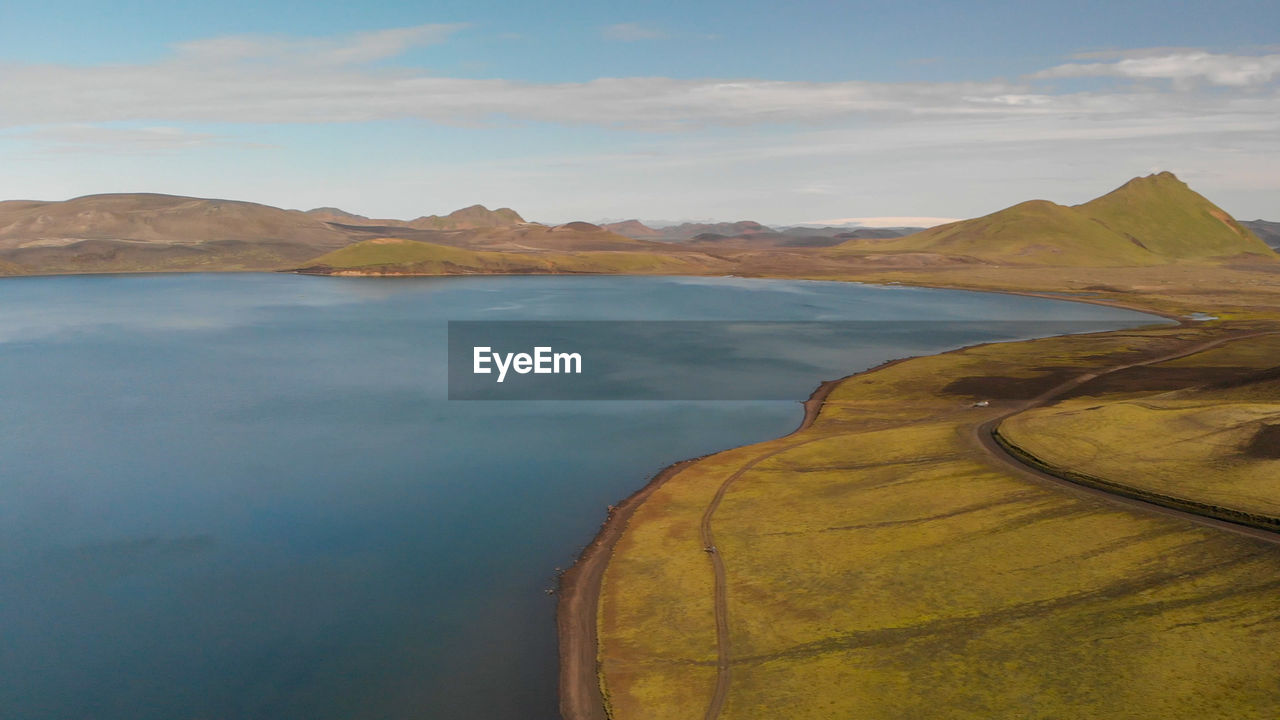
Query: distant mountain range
[(633, 229), (1268, 232), (748, 233), (799, 237), (475, 216), (1148, 221), (152, 218), (142, 231), (145, 231)]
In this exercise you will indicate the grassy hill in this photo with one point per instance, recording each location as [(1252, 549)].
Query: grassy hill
[(1036, 231), (395, 256), (1162, 215), (1148, 221)]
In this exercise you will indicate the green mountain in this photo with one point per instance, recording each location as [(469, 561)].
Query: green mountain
[(1161, 214), (383, 254), (1149, 220)]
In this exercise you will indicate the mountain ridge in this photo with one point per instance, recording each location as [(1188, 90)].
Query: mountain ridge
[(155, 218), (472, 216), (1267, 231), (1148, 221)]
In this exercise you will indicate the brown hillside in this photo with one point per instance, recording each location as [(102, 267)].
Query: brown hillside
[(163, 219)]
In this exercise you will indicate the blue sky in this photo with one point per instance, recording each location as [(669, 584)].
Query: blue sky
[(777, 112)]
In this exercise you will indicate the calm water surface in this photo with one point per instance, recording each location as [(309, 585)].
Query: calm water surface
[(246, 496)]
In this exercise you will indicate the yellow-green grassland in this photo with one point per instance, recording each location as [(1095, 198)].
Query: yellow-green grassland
[(879, 564)]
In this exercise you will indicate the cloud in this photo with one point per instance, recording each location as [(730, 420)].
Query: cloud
[(230, 85), (351, 49), (1182, 67), (78, 138), (1120, 53), (260, 79), (631, 32), (818, 189)]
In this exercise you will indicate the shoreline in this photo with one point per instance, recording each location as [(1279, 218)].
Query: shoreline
[(580, 585)]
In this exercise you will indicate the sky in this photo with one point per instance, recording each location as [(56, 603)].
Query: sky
[(800, 112)]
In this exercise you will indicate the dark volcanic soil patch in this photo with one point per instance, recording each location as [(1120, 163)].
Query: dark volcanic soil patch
[(1158, 378), (1265, 444), (1255, 378), (1004, 387), (1145, 378)]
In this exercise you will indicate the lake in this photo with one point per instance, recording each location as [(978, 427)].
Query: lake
[(248, 496)]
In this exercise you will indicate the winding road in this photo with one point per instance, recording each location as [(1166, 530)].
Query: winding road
[(984, 436)]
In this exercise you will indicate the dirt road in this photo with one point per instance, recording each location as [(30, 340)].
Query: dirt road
[(985, 436)]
